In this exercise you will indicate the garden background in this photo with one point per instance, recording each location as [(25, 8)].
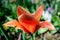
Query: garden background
[(8, 11)]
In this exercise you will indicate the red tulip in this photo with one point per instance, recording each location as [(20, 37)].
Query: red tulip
[(29, 22)]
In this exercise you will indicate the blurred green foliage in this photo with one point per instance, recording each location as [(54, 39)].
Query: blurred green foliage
[(8, 12)]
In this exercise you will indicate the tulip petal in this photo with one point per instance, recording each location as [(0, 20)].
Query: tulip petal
[(12, 23), (15, 24), (46, 24), (38, 13), (38, 26), (29, 22), (21, 10)]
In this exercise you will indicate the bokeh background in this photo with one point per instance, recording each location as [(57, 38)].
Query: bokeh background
[(8, 11)]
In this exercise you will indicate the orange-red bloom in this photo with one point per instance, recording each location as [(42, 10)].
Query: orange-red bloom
[(29, 22)]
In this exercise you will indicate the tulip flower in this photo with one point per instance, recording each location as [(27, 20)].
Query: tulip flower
[(28, 22)]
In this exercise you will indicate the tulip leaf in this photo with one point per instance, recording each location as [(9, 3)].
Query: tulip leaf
[(43, 30), (8, 18), (53, 31)]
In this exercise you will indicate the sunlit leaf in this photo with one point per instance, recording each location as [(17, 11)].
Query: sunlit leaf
[(42, 30)]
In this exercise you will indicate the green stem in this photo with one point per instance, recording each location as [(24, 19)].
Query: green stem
[(42, 36), (33, 37), (23, 35), (4, 34)]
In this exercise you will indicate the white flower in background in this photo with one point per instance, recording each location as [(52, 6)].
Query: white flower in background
[(35, 1), (47, 16), (51, 9)]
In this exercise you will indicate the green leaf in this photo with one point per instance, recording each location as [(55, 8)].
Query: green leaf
[(53, 31), (0, 32), (43, 30), (8, 18), (1, 14)]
